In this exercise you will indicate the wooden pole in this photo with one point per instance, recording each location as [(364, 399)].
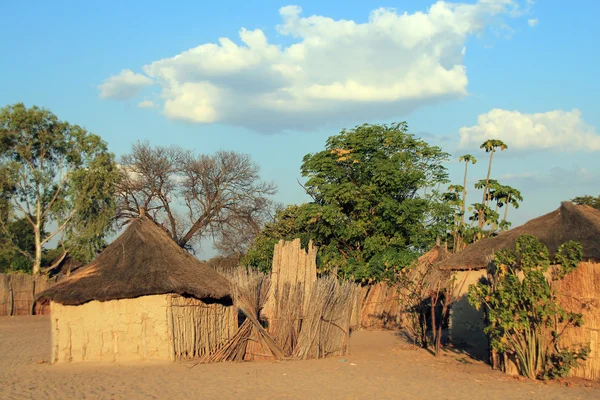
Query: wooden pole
[(12, 298)]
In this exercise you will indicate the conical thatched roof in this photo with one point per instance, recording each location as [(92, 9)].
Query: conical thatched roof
[(569, 222), (427, 264), (142, 261)]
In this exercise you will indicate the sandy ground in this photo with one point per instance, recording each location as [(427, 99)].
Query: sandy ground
[(380, 366)]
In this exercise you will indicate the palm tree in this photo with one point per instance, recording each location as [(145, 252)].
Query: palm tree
[(511, 197), (452, 197), (490, 146)]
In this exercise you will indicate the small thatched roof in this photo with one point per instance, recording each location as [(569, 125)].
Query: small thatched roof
[(569, 222), (427, 263), (64, 265), (143, 261)]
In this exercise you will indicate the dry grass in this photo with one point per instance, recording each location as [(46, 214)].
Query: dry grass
[(326, 324), (570, 222), (142, 261), (251, 341), (199, 328), (580, 292)]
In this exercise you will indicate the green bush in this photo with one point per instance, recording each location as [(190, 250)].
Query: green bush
[(524, 316)]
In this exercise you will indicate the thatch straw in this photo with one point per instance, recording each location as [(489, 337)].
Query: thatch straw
[(143, 261), (286, 320), (326, 323), (291, 266), (570, 222), (199, 328), (251, 341), (307, 318), (379, 307), (580, 292)]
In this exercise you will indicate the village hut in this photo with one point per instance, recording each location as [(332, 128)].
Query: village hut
[(143, 297), (62, 266), (578, 291)]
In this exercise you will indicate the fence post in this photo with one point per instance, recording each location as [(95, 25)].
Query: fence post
[(32, 308), (12, 298)]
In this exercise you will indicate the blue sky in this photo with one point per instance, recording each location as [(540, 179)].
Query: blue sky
[(520, 71)]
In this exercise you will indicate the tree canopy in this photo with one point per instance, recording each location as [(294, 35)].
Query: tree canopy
[(56, 176), (588, 201), (375, 204)]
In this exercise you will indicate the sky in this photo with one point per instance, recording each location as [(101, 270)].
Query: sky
[(275, 81)]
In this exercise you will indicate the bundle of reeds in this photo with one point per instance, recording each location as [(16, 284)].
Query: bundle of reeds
[(251, 341), (286, 319), (200, 328), (307, 317), (326, 320), (379, 307), (292, 265)]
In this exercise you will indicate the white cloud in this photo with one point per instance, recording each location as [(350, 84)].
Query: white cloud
[(123, 86), (553, 130), (335, 71), (146, 104), (533, 22)]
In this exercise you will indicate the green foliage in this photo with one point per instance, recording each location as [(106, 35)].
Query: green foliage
[(17, 246), (588, 201), (55, 174), (375, 206), (567, 256), (562, 361), (492, 144), (287, 224), (485, 218), (524, 316), (467, 158), (489, 216)]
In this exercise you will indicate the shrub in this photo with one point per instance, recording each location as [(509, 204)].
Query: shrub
[(524, 316)]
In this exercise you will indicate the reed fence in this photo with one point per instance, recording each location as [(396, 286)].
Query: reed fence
[(17, 293)]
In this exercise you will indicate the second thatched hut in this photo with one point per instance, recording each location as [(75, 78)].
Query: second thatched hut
[(577, 292), (143, 297)]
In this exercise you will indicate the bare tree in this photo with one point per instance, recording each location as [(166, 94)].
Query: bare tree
[(195, 196), (234, 237), (150, 179)]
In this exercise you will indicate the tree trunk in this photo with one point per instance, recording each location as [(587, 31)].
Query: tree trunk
[(37, 261), (485, 189), (506, 205), (434, 330), (464, 203)]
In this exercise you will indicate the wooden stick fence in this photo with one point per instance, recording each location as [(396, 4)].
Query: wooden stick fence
[(17, 292)]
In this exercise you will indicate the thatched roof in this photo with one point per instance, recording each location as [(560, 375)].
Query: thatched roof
[(427, 263), (142, 261), (65, 264), (569, 222)]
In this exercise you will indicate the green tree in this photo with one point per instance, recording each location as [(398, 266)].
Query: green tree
[(490, 146), (17, 246), (61, 179), (375, 201), (588, 201), (525, 318), (288, 223), (506, 196)]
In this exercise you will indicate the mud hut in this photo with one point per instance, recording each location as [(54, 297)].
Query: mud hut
[(143, 297), (578, 292)]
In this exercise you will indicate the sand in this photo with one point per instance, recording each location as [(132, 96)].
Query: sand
[(380, 366)]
